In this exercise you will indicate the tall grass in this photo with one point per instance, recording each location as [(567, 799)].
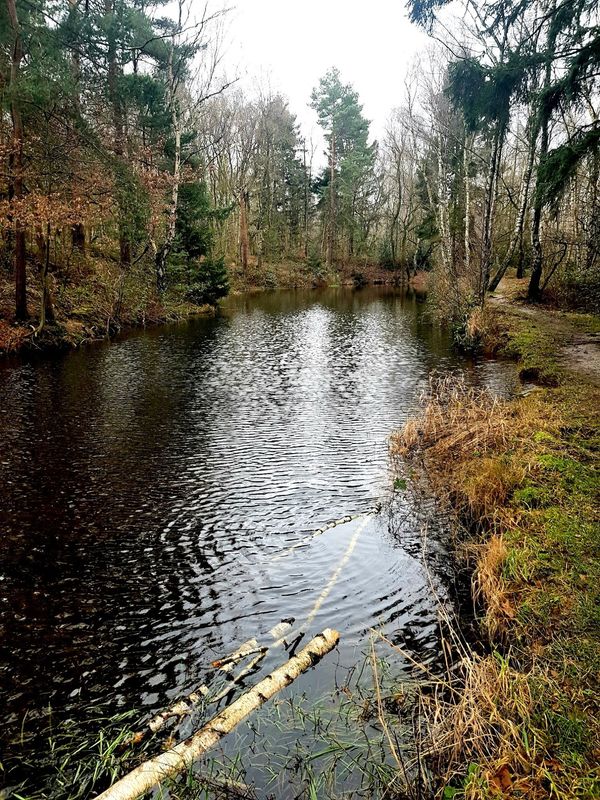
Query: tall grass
[(520, 718)]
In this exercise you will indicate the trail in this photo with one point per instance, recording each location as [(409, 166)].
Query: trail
[(577, 348)]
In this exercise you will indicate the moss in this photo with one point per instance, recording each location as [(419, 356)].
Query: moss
[(531, 497), (543, 436)]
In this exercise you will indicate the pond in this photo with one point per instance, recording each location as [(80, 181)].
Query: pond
[(152, 491)]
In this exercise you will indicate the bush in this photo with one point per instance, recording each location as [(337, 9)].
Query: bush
[(210, 283), (386, 259), (359, 279)]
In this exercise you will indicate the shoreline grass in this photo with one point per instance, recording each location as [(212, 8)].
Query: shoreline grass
[(522, 479)]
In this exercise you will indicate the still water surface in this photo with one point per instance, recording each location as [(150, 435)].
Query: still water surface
[(147, 487)]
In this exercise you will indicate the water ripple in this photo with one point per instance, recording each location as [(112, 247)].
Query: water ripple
[(146, 486)]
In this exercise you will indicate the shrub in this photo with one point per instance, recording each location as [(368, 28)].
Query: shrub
[(211, 282)]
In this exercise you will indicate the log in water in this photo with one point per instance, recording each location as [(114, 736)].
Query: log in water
[(152, 772)]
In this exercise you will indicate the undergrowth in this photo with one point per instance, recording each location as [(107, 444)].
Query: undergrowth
[(92, 299), (522, 479)]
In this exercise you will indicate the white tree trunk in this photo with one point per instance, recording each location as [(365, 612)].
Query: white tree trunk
[(165, 250), (151, 773)]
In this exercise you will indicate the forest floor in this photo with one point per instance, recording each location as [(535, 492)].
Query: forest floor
[(523, 479), (569, 340)]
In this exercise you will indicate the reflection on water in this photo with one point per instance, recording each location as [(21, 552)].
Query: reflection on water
[(145, 486)]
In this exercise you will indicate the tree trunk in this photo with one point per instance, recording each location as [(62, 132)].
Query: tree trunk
[(331, 230), (521, 260), (46, 306), (443, 208), (490, 205), (592, 239), (394, 222), (77, 230), (244, 240), (534, 291), (467, 241), (306, 182), (78, 237), (165, 250), (517, 237), (15, 190), (151, 773), (119, 140)]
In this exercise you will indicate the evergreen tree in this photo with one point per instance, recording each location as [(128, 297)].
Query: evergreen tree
[(351, 159)]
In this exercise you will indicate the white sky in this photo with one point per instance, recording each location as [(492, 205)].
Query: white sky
[(289, 44)]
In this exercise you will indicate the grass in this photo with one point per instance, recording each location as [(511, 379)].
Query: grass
[(522, 477), (356, 741), (67, 759)]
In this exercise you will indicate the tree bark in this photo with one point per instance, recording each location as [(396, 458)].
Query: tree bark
[(490, 205), (396, 215), (46, 306), (534, 291), (593, 213), (517, 237), (119, 137), (306, 182), (179, 758), (244, 241), (15, 191), (443, 208), (165, 250), (467, 241), (77, 230), (331, 230)]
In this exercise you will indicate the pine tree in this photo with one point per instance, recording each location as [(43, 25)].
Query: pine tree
[(351, 158)]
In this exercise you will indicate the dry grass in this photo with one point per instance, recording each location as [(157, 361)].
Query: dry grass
[(12, 337), (447, 402), (521, 478), (457, 443), (454, 415), (493, 736), (477, 725), (490, 590)]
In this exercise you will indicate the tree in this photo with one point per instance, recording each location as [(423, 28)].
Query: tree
[(351, 159), (540, 60), (184, 39), (15, 189)]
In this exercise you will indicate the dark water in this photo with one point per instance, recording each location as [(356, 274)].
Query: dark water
[(147, 486)]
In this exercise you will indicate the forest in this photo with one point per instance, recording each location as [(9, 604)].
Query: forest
[(333, 533), (135, 174)]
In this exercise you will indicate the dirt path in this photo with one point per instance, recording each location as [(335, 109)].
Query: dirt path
[(576, 336)]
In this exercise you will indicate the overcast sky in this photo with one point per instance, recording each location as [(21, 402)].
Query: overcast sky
[(289, 45)]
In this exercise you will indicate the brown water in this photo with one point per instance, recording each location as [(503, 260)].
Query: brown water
[(146, 486)]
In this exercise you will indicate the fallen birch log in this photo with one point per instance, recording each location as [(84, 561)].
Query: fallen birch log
[(320, 531), (186, 706), (151, 773), (236, 679)]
